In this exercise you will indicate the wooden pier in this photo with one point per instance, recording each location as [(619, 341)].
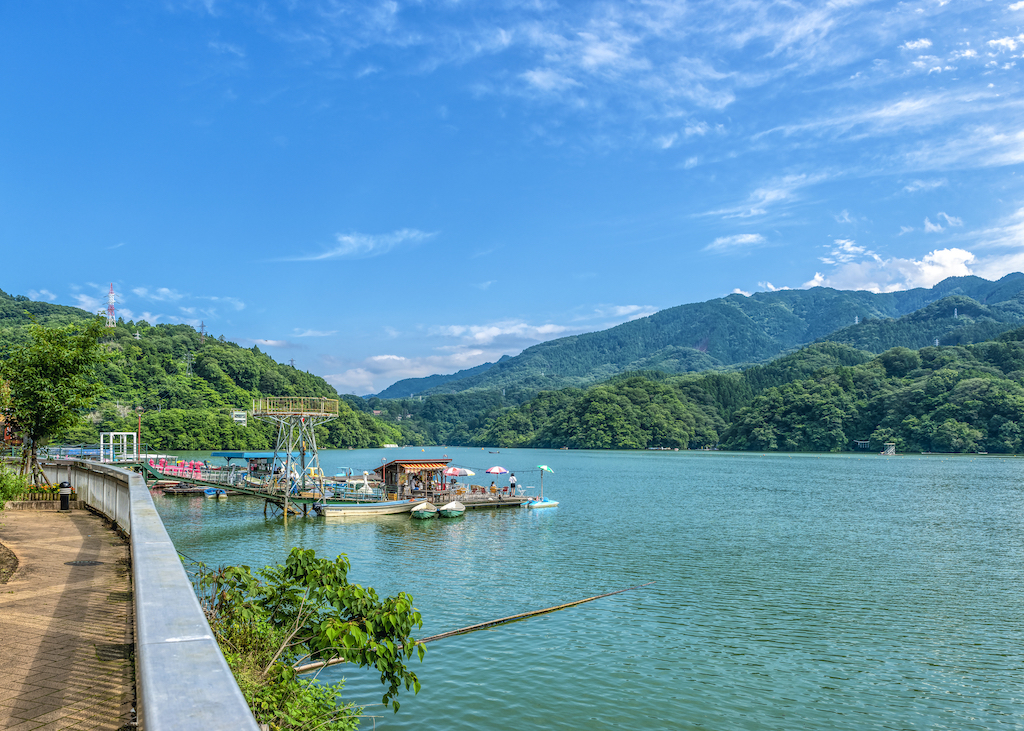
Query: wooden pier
[(472, 501)]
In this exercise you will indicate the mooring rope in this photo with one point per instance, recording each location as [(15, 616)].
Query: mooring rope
[(482, 625)]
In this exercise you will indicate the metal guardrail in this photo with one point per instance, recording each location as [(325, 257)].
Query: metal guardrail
[(182, 680)]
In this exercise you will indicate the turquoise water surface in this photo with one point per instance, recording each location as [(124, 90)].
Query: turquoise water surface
[(791, 591)]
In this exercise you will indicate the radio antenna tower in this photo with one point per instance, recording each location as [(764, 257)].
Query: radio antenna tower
[(111, 320)]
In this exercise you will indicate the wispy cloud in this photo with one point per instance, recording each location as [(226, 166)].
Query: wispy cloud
[(227, 48), (357, 245), (314, 333), (735, 242), (919, 185), (42, 294), (777, 191)]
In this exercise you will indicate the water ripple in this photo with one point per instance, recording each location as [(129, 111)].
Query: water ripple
[(792, 591)]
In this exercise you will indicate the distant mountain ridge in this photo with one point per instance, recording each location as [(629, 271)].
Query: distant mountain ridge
[(739, 330), (411, 386)]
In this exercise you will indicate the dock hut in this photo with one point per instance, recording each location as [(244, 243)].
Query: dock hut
[(398, 475)]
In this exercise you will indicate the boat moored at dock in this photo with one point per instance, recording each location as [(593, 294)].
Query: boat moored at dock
[(386, 507), (424, 511), (453, 509)]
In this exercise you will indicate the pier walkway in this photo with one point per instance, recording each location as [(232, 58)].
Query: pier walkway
[(67, 630)]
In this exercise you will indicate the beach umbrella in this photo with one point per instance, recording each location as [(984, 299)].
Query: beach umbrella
[(543, 468), (459, 472), (496, 470)]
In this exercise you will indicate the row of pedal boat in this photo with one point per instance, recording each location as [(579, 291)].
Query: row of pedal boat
[(426, 511)]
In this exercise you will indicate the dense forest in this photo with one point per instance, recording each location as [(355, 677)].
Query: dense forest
[(185, 386), (823, 398)]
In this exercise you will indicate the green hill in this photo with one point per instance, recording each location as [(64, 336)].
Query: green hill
[(186, 386)]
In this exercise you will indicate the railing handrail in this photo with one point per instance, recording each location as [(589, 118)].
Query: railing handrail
[(183, 681)]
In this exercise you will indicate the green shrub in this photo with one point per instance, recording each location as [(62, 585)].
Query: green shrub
[(12, 485)]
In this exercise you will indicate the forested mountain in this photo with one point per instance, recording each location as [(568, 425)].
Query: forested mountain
[(953, 320), (737, 330), (822, 398), (185, 386), (411, 386)]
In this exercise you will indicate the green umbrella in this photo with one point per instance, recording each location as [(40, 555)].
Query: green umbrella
[(543, 468)]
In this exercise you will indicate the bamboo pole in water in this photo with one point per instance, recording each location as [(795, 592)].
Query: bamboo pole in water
[(309, 667)]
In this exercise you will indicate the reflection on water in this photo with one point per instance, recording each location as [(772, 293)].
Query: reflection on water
[(803, 591)]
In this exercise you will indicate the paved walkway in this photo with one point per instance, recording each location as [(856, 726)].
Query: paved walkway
[(66, 658)]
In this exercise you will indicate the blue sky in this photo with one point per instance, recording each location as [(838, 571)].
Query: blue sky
[(380, 190)]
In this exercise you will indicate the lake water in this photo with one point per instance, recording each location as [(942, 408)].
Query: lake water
[(791, 591)]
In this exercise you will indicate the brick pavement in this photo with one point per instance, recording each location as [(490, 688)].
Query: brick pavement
[(66, 643)]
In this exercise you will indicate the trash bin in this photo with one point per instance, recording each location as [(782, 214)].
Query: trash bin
[(65, 497)]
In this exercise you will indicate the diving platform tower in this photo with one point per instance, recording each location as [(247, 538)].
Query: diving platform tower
[(297, 418)]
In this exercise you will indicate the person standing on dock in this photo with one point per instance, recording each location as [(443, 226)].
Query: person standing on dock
[(512, 484)]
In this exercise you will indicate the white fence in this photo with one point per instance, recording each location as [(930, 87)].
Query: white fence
[(182, 680)]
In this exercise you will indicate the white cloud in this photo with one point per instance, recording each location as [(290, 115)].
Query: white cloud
[(697, 128), (1006, 44), (843, 217), (917, 185), (951, 220), (1016, 6), (735, 242), (842, 251), (233, 302), (356, 245), (619, 313), (42, 294), (917, 45), (272, 343), (373, 374), (505, 330), (313, 333), (878, 274), (161, 294), (932, 228), (905, 230), (769, 287), (737, 290), (548, 80), (88, 303)]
